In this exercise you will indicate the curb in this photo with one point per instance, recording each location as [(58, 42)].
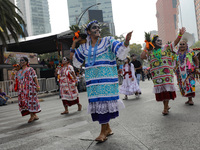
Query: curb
[(40, 96)]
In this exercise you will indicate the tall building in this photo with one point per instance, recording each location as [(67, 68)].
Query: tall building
[(197, 14), (36, 16), (187, 18), (166, 19), (77, 7)]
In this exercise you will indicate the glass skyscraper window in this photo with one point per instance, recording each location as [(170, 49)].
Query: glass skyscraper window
[(76, 7), (36, 15)]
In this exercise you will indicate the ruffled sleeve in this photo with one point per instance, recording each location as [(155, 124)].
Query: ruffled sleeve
[(119, 49), (78, 57)]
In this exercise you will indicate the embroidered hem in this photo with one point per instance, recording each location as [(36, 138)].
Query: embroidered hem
[(103, 107), (164, 88)]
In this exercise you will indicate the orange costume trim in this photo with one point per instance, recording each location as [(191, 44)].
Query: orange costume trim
[(76, 35), (148, 44)]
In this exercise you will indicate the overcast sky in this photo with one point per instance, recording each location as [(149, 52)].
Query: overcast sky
[(136, 15)]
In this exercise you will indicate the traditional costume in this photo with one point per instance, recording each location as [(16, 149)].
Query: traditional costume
[(185, 73), (27, 95), (101, 76), (68, 89), (129, 87), (162, 72)]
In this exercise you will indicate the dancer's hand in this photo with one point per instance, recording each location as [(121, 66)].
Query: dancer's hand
[(128, 36), (182, 31), (74, 43), (132, 79), (77, 40)]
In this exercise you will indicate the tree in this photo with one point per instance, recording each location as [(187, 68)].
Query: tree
[(135, 49), (10, 24), (196, 45), (120, 38)]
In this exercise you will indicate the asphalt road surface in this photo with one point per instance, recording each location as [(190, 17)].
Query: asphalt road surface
[(140, 126)]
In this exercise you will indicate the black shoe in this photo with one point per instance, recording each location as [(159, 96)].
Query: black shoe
[(5, 104)]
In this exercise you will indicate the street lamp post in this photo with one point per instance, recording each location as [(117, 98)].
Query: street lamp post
[(83, 12)]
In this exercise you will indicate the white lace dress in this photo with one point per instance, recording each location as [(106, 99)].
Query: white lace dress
[(128, 86)]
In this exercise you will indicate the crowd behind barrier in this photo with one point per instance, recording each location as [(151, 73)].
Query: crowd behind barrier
[(46, 85)]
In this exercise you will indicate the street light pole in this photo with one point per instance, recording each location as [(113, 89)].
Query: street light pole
[(81, 15)]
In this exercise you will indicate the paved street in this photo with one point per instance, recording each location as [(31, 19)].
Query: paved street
[(141, 126)]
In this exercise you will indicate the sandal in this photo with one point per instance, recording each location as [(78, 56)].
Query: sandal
[(165, 113), (191, 103), (101, 140), (187, 102), (36, 118), (31, 119), (109, 134), (125, 98), (65, 112)]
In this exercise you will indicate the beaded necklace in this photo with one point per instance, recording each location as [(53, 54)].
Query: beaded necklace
[(182, 57), (157, 54), (94, 53)]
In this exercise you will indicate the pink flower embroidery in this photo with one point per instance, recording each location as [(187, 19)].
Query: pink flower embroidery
[(166, 70)]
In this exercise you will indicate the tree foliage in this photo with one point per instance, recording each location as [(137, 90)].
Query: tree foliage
[(135, 49), (120, 38), (196, 45), (10, 22)]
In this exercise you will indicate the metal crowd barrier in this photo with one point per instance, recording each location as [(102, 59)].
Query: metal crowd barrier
[(51, 85), (8, 88), (42, 83), (46, 85)]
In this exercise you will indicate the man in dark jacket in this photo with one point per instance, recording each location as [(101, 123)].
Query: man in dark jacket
[(138, 67)]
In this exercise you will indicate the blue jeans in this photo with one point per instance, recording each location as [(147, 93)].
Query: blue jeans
[(138, 78), (2, 101)]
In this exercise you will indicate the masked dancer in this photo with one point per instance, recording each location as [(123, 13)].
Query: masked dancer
[(129, 85), (68, 87), (185, 69), (161, 68), (27, 87), (101, 74)]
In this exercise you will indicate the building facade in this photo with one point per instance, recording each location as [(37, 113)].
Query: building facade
[(77, 7), (187, 18), (167, 19), (197, 14), (36, 16)]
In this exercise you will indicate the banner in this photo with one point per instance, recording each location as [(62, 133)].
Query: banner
[(14, 57)]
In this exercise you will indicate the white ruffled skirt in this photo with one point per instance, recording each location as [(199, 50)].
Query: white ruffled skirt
[(129, 87)]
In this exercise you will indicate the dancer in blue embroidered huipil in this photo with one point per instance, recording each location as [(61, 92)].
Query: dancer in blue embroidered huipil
[(101, 74)]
